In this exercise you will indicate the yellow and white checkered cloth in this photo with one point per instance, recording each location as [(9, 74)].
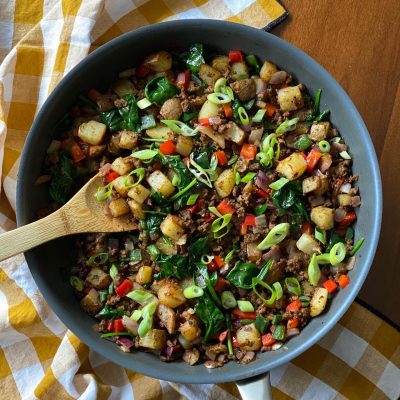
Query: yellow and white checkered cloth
[(40, 41)]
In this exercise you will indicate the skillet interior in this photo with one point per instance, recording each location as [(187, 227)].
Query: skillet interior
[(50, 263)]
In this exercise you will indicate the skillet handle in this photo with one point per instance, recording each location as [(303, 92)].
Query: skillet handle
[(256, 388)]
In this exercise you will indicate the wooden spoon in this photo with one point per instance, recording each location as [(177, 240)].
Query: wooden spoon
[(83, 213)]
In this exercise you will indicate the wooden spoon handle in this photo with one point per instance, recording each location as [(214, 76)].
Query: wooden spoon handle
[(31, 235)]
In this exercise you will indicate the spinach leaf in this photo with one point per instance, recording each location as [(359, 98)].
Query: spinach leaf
[(194, 58), (153, 222), (121, 118), (62, 179), (261, 324), (289, 196), (174, 266), (334, 238), (242, 274), (315, 115), (202, 157), (211, 316), (108, 312), (236, 104), (180, 170), (159, 89), (198, 249)]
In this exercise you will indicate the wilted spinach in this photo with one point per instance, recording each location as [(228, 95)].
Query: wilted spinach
[(152, 223), (211, 316), (242, 274), (197, 249), (174, 266), (63, 176), (180, 169), (316, 115), (159, 89), (194, 58), (290, 196), (109, 313)]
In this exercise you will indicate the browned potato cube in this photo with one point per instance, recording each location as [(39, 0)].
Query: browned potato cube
[(92, 132), (267, 70), (170, 294), (120, 187), (344, 199), (167, 317), (209, 74), (221, 64), (319, 131), (172, 227), (144, 275), (122, 166), (118, 207), (235, 134), (98, 278), (290, 98), (128, 140), (96, 150), (248, 338), (160, 61), (292, 167), (139, 193), (225, 183), (160, 183), (184, 145), (190, 329), (136, 208), (318, 301), (322, 217), (91, 302), (324, 185), (310, 184), (154, 339), (124, 86)]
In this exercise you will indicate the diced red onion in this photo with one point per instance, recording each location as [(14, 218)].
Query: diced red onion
[(215, 120), (274, 253), (355, 201), (278, 78), (325, 162), (261, 221), (131, 325), (168, 351), (260, 104), (271, 205), (126, 342), (225, 269), (292, 332), (260, 85), (345, 188), (262, 181), (338, 148), (340, 213), (248, 357), (351, 263), (246, 128), (105, 169), (255, 136), (276, 346), (316, 201)]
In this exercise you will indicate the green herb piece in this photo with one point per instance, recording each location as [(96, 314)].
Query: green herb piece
[(252, 60), (121, 118), (279, 332), (244, 118), (111, 334), (140, 172), (136, 255), (293, 286), (62, 179), (337, 253), (249, 104), (305, 301), (194, 57), (197, 249), (145, 154), (109, 313), (315, 115), (357, 246), (211, 316), (324, 146), (228, 300), (270, 150), (147, 318), (113, 271), (248, 177), (141, 296), (245, 306), (349, 234), (218, 98), (274, 236), (233, 159), (136, 315), (159, 89), (286, 126), (144, 103), (153, 251), (186, 117), (320, 235), (302, 143), (314, 273), (278, 290), (269, 301), (260, 210), (192, 199), (334, 238), (261, 324), (76, 283), (184, 190), (103, 295), (100, 258), (259, 115), (279, 184), (221, 226), (193, 291), (180, 127), (242, 274), (230, 255), (276, 319)]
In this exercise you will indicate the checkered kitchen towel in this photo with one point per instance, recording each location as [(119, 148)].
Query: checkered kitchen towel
[(41, 40)]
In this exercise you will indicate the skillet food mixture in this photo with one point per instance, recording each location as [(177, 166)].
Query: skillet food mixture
[(244, 198)]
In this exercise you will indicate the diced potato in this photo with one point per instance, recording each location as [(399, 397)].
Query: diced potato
[(131, 325), (184, 145), (225, 183), (124, 86), (120, 187), (311, 183), (217, 137), (323, 217), (144, 275), (98, 278), (96, 150), (154, 339), (170, 294), (91, 302), (139, 193), (267, 70), (136, 209), (191, 356), (324, 185), (160, 61), (118, 207), (122, 166), (248, 338), (166, 247), (208, 109), (167, 317), (235, 134), (344, 199), (92, 132), (318, 301), (290, 98), (171, 109), (221, 64), (308, 244), (239, 71), (190, 329), (172, 227), (208, 74), (160, 131), (292, 167), (253, 254), (319, 131), (128, 140), (160, 183)]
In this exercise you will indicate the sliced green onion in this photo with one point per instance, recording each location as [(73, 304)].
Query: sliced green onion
[(244, 321), (103, 259), (279, 184), (103, 295), (305, 301), (314, 273), (206, 259), (278, 290), (214, 211), (153, 251), (248, 177), (147, 318), (270, 150), (113, 271), (202, 174), (336, 139), (265, 269), (76, 283), (221, 82), (147, 121), (293, 286), (249, 104), (192, 199), (146, 139), (175, 180), (233, 159), (252, 60), (193, 291), (136, 315), (277, 318), (349, 234), (136, 255), (140, 172), (184, 190), (244, 118), (104, 192), (271, 299), (279, 332), (228, 300), (245, 306), (111, 334), (357, 246), (302, 143), (144, 103), (337, 253), (323, 259), (141, 296), (320, 235), (259, 115), (285, 126), (260, 210), (275, 236), (345, 155), (220, 227), (229, 92), (236, 175), (261, 324), (218, 98), (145, 154), (230, 255), (179, 127), (324, 146)]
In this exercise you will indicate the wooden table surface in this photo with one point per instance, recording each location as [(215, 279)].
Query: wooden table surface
[(358, 42)]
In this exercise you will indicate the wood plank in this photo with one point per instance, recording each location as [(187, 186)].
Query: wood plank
[(358, 42)]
